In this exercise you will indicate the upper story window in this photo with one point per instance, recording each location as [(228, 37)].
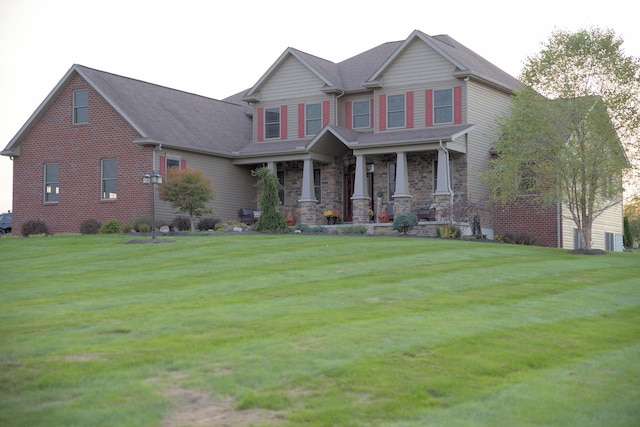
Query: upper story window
[(396, 111), (109, 179), (313, 119), (51, 182), (80, 106), (361, 114), (271, 123), (443, 106)]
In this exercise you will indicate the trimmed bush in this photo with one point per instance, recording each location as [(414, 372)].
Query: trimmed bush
[(89, 226), (34, 227), (137, 222), (182, 223), (110, 227), (208, 224), (404, 222), (144, 228)]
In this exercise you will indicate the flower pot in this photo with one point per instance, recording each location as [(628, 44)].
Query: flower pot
[(290, 219), (383, 216)]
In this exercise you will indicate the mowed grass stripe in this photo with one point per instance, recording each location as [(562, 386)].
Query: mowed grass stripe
[(320, 327)]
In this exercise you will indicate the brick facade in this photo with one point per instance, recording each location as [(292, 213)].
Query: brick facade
[(79, 149), (525, 217)]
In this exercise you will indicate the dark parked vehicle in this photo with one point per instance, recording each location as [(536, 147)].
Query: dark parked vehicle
[(5, 223)]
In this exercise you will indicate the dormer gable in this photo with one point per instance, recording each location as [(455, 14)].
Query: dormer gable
[(326, 72), (465, 64)]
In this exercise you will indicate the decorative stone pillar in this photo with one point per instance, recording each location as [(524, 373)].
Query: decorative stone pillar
[(360, 198), (401, 197), (401, 204), (443, 206), (307, 212), (360, 211)]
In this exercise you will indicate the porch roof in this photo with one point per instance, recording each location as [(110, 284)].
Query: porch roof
[(335, 140)]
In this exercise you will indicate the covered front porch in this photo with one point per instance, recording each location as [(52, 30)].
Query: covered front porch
[(357, 174)]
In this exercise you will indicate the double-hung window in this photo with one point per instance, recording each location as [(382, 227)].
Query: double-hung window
[(109, 179), (361, 114), (80, 106), (317, 184), (392, 180), (51, 182), (272, 123), (396, 111), (443, 106), (313, 119)]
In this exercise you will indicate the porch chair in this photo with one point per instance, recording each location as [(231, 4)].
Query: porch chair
[(427, 214), (246, 216)]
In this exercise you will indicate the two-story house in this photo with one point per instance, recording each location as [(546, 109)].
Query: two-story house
[(410, 119)]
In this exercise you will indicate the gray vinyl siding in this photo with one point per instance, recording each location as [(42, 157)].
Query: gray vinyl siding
[(611, 221), (233, 185), (418, 64), (483, 106), (292, 81)]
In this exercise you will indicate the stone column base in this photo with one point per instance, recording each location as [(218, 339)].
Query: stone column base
[(401, 204), (360, 211), (307, 212), (443, 206)]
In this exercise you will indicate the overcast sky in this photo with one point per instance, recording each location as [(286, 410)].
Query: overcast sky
[(218, 48)]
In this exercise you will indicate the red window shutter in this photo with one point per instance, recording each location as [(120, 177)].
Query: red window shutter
[(383, 112), (325, 113), (283, 122), (163, 165), (348, 115), (428, 97), (260, 124), (457, 104), (300, 120), (183, 164), (409, 110)]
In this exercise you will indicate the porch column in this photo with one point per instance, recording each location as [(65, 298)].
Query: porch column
[(443, 196), (443, 173), (308, 194), (360, 198), (402, 176), (272, 167), (308, 203)]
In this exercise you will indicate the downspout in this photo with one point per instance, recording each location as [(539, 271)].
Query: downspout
[(448, 181)]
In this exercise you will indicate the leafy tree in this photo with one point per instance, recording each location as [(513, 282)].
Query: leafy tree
[(271, 219), (561, 141), (632, 212), (188, 191)]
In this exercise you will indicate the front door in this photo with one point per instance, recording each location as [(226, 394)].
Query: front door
[(347, 191)]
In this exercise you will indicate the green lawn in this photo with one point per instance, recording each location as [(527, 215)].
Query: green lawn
[(296, 330)]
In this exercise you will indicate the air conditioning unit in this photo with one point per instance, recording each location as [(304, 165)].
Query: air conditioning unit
[(370, 168)]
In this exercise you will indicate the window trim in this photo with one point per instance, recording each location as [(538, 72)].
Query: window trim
[(268, 124), (80, 107), (48, 183), (404, 111), (437, 107), (104, 180), (354, 115)]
